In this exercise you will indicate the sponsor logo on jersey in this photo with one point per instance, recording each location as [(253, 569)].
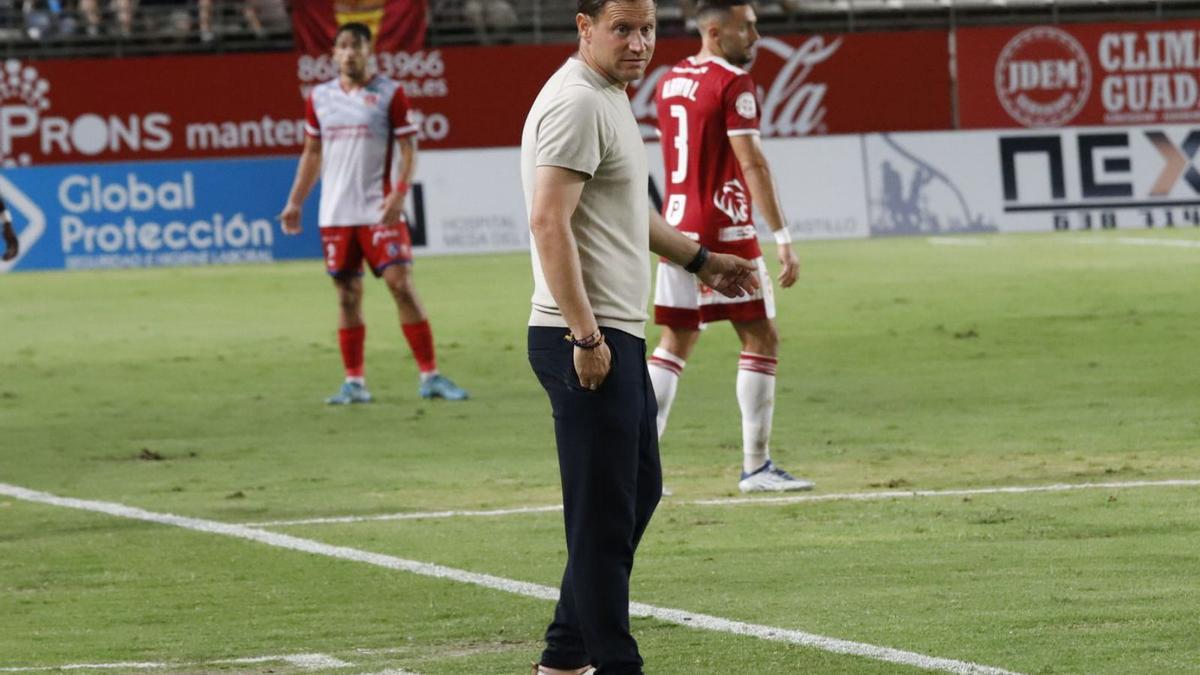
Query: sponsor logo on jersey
[(736, 233), (675, 208), (1043, 77)]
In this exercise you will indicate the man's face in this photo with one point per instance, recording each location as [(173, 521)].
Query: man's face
[(351, 53), (620, 41), (737, 33)]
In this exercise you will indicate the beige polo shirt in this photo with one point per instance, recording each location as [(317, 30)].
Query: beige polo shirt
[(581, 121)]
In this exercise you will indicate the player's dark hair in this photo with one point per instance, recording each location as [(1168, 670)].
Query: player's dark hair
[(359, 30), (707, 8), (593, 8)]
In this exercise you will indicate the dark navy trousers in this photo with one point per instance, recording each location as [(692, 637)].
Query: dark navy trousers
[(611, 482)]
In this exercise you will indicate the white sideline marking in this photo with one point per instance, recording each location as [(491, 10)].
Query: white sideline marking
[(896, 494), (302, 661), (954, 241), (731, 501), (675, 616), (305, 661), (131, 665), (407, 516), (1142, 241)]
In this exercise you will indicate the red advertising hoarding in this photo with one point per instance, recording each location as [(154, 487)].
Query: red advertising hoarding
[(1079, 75), (242, 105)]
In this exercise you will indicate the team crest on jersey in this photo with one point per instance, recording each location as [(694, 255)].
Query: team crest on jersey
[(731, 199), (746, 106)]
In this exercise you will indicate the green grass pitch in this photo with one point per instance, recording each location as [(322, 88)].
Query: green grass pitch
[(1023, 360)]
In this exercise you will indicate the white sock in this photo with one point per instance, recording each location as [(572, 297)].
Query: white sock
[(665, 369), (756, 398), (425, 377), (357, 380)]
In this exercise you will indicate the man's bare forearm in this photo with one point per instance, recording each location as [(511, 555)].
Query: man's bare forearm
[(764, 196), (408, 158), (555, 197), (560, 266), (307, 174), (669, 243)]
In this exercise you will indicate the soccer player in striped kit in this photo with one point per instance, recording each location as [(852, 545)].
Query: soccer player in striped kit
[(709, 116), (353, 125)]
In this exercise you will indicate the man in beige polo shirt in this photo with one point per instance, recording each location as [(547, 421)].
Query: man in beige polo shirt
[(584, 169)]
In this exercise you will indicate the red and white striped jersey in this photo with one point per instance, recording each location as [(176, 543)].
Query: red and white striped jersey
[(356, 128), (700, 105)]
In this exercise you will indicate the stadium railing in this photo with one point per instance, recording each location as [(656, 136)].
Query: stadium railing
[(60, 29)]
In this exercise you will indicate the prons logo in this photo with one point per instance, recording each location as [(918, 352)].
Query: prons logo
[(792, 105), (1043, 77), (24, 93), (25, 124)]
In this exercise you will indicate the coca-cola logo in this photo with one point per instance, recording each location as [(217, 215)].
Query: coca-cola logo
[(1043, 77), (792, 104)]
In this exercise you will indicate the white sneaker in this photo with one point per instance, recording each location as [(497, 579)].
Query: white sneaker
[(770, 478)]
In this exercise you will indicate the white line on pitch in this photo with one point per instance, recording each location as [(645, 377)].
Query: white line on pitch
[(900, 494), (731, 501), (955, 241), (419, 515), (302, 661), (675, 616), (1142, 241)]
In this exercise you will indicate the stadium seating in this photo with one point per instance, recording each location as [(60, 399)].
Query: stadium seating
[(57, 29)]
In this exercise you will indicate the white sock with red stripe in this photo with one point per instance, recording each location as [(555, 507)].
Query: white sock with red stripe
[(665, 369), (756, 398)]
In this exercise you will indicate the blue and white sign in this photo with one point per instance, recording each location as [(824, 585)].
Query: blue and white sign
[(154, 214)]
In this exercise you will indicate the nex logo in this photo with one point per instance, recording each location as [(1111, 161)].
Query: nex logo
[(35, 220), (1177, 161)]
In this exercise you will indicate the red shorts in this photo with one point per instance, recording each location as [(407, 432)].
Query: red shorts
[(380, 245), (681, 301)]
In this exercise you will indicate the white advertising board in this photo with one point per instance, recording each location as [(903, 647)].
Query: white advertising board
[(472, 201), (1033, 181), (846, 187)]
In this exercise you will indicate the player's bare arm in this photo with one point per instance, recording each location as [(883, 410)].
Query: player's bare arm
[(748, 150), (556, 193), (726, 274), (307, 173), (393, 205)]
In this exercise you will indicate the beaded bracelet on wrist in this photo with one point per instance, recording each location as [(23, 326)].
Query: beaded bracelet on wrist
[(588, 342)]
